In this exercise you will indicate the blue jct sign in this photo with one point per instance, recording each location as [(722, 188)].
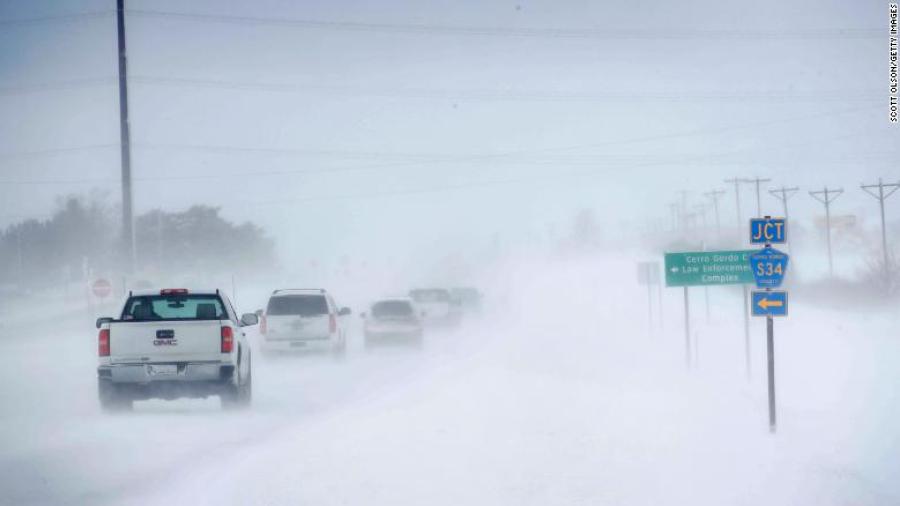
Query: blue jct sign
[(769, 267), (769, 303), (767, 231)]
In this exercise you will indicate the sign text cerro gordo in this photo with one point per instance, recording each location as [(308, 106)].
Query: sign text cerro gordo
[(708, 268)]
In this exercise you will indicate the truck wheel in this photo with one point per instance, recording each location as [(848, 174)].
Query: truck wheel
[(245, 391), (339, 351), (240, 395), (112, 399)]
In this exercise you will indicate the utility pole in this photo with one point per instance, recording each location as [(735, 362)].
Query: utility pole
[(125, 142), (673, 208), (700, 209), (826, 197), (159, 240), (757, 181), (19, 254), (746, 306), (684, 213), (737, 203), (784, 194), (705, 290), (882, 196), (714, 195)]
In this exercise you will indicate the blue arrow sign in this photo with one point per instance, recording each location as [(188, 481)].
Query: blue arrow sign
[(769, 267), (769, 303), (767, 231)]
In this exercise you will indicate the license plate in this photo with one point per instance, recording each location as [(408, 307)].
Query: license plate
[(162, 370)]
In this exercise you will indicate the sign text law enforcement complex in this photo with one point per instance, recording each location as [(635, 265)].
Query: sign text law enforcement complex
[(700, 268)]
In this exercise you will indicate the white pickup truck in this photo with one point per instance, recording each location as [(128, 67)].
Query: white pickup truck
[(174, 343)]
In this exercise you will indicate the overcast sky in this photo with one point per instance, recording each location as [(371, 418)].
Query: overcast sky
[(381, 126)]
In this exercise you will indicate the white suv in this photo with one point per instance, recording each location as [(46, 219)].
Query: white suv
[(301, 319), (437, 305), (392, 320)]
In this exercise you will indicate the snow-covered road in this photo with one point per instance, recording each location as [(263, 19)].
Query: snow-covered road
[(560, 397)]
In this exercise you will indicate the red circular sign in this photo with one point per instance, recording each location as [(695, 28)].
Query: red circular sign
[(101, 288)]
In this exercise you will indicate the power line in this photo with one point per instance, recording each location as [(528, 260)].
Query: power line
[(507, 157), (548, 33), (530, 157), (452, 94), (718, 130), (512, 95), (59, 18), (57, 85), (55, 151), (526, 152), (714, 131)]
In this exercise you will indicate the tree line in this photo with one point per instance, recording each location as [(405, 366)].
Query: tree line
[(83, 236)]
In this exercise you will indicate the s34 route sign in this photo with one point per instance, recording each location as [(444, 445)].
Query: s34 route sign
[(698, 268), (769, 267)]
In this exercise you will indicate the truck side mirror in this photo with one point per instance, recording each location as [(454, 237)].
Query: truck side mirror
[(344, 311), (102, 320), (249, 319)]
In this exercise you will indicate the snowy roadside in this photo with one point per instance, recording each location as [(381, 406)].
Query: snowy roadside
[(597, 413)]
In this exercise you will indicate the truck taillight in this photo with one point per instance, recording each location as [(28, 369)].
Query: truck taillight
[(103, 343), (227, 339), (332, 323), (262, 324)]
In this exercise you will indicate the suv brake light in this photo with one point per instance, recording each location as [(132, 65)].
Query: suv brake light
[(332, 323), (262, 324), (103, 343), (227, 339)]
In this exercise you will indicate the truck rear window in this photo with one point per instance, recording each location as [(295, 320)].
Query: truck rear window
[(298, 305), (392, 308), (430, 295), (174, 307)]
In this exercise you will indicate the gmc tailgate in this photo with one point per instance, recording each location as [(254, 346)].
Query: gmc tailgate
[(164, 341)]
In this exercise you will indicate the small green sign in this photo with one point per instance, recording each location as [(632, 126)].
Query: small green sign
[(698, 268)]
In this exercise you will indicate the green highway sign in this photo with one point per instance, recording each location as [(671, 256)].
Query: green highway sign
[(698, 268)]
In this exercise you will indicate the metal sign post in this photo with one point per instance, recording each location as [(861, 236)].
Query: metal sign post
[(704, 268), (687, 329), (659, 289), (648, 274), (748, 362), (770, 353), (769, 267)]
